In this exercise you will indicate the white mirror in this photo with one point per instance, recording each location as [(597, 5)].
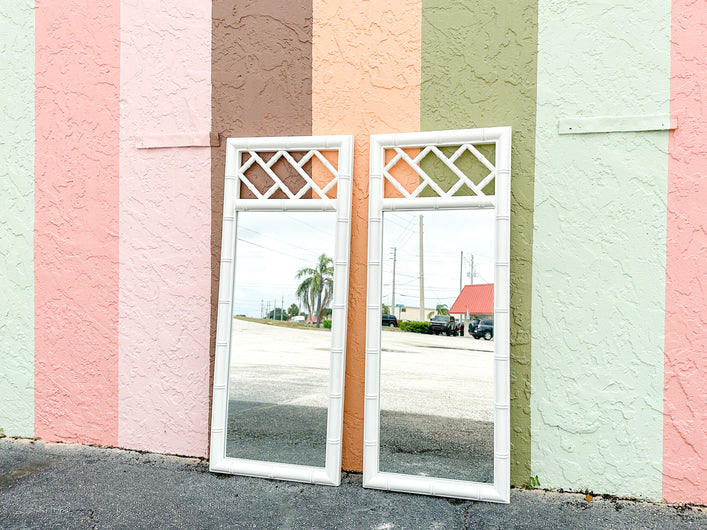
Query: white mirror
[(437, 372), (281, 337), (437, 366), (281, 332)]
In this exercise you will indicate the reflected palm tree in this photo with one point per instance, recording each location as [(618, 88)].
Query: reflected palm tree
[(442, 309), (317, 286)]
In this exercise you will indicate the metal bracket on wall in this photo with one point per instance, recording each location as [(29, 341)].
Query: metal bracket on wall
[(194, 139), (608, 124)]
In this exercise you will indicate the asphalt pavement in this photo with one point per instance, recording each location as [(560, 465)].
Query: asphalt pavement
[(71, 486)]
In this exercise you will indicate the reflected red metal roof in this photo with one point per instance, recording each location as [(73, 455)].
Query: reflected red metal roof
[(476, 299)]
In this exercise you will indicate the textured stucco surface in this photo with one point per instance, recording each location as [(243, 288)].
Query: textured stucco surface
[(17, 218), (479, 70), (599, 249), (76, 221), (165, 223), (122, 345), (366, 80), (261, 75), (685, 400)]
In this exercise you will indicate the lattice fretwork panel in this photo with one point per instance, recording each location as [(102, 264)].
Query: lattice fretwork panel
[(286, 174), (432, 171)]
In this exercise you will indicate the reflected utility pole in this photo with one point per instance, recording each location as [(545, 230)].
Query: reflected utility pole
[(461, 270), (422, 278), (395, 251)]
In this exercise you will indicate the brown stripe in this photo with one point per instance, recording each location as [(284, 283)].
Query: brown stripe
[(261, 75)]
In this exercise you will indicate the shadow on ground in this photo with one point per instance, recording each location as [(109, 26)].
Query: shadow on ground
[(416, 444)]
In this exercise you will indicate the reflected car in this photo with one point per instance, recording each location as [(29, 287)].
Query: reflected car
[(389, 320), (443, 324), (484, 328)]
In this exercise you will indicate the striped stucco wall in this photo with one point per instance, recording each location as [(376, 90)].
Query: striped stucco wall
[(381, 37), (599, 249), (165, 226), (17, 218), (109, 251), (76, 221), (479, 70), (685, 398)]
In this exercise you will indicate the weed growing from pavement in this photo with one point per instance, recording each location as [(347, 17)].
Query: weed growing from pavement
[(532, 482)]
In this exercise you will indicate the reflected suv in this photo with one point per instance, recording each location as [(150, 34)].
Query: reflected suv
[(389, 320), (484, 328), (443, 324)]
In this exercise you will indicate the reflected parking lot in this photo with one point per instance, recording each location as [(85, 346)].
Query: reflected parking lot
[(279, 389)]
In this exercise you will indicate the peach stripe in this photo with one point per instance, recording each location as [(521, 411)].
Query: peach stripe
[(365, 80), (76, 221), (685, 397)]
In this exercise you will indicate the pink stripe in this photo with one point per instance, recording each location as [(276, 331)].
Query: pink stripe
[(76, 221), (685, 399), (165, 228)]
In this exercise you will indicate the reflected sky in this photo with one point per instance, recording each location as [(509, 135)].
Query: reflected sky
[(446, 234), (277, 245)]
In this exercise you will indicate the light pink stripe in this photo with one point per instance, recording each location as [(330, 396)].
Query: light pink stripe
[(165, 228), (685, 398), (76, 221)]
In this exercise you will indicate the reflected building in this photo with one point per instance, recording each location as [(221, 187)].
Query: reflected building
[(474, 301)]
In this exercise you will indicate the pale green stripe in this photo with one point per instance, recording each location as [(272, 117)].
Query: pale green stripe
[(17, 218), (599, 249), (479, 70)]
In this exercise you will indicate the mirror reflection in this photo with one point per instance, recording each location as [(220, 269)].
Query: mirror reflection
[(281, 338), (437, 345)]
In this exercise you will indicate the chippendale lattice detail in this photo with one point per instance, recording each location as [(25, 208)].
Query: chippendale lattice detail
[(463, 179), (278, 184)]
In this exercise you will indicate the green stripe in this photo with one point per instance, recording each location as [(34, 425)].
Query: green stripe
[(479, 70), (599, 249), (17, 218)]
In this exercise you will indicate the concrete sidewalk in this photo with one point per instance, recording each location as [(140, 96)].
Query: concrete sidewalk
[(69, 486)]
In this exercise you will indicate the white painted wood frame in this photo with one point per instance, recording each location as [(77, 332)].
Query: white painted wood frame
[(499, 490), (330, 474)]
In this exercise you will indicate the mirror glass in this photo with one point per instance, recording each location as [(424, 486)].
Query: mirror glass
[(281, 337), (437, 346)]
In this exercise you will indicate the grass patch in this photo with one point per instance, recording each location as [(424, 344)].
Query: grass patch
[(279, 323)]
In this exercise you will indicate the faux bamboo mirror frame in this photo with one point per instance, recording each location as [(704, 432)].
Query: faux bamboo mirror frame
[(320, 167), (422, 194)]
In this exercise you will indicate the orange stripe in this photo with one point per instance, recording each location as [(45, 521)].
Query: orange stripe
[(365, 80)]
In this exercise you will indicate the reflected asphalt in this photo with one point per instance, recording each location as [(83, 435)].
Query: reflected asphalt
[(436, 400), (451, 375), (70, 486)]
